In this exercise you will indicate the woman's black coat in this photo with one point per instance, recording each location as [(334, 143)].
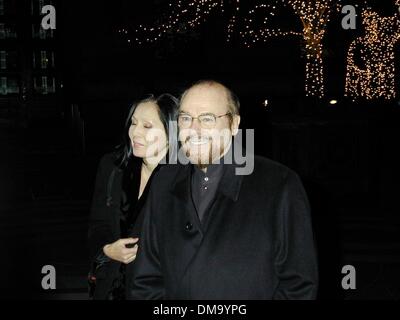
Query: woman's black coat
[(114, 198)]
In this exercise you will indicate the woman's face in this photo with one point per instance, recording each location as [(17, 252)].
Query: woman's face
[(147, 133)]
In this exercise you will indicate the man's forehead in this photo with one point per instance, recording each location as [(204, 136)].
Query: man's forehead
[(205, 98)]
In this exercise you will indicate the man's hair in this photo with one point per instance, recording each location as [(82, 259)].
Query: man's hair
[(232, 99)]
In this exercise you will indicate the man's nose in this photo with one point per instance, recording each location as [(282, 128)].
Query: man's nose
[(196, 125)]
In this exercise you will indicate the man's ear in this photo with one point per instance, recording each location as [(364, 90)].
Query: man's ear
[(235, 124)]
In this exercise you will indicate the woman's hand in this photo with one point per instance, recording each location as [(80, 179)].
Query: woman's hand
[(119, 252)]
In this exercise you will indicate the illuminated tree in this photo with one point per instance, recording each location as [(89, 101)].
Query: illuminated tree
[(313, 16), (374, 74)]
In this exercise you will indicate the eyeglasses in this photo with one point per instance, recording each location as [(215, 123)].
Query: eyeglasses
[(207, 120)]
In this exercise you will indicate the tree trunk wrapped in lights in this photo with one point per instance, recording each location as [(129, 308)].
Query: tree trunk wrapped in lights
[(314, 16)]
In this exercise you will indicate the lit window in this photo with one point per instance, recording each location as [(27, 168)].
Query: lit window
[(7, 31), (8, 86), (12, 85), (2, 31), (3, 88), (43, 59), (3, 60), (44, 84)]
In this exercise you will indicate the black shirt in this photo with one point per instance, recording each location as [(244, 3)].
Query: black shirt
[(204, 186)]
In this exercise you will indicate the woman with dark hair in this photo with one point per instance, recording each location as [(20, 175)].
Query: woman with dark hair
[(122, 183)]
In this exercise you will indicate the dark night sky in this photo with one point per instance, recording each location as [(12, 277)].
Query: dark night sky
[(95, 54), (103, 73)]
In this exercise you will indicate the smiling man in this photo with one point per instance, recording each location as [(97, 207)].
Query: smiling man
[(209, 233), (217, 114)]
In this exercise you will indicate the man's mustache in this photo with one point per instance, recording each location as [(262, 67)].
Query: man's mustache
[(198, 137)]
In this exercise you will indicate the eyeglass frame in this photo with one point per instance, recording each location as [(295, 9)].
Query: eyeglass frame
[(203, 114)]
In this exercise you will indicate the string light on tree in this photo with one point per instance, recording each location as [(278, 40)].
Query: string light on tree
[(314, 16), (371, 58), (233, 20), (252, 35), (184, 15)]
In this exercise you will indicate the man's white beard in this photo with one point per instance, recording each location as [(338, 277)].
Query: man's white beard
[(203, 160)]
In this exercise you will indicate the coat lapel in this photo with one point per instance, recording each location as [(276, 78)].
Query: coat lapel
[(227, 193), (182, 193)]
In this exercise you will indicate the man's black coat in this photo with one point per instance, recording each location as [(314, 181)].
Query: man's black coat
[(257, 244)]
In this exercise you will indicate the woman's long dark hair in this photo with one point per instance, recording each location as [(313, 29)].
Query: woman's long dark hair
[(167, 109), (131, 165)]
